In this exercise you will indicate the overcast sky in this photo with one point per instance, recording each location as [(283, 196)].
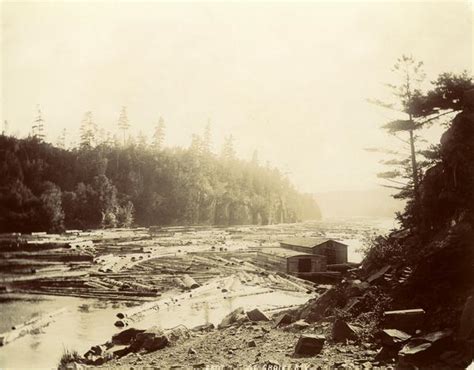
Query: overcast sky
[(288, 79)]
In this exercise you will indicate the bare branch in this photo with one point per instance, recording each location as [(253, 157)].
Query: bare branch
[(391, 187), (437, 116), (399, 138), (396, 182)]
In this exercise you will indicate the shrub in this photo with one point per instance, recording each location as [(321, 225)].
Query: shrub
[(67, 358), (380, 251)]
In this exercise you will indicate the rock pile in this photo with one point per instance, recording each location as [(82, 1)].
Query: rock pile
[(134, 341)]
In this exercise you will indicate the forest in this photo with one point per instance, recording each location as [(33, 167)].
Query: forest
[(115, 183)]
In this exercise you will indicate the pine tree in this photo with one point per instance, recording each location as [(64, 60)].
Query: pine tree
[(142, 140), (411, 74), (407, 176), (38, 126), (196, 146), (115, 140), (228, 151), (88, 130), (123, 123), (159, 135), (109, 138), (101, 136), (61, 142), (207, 139)]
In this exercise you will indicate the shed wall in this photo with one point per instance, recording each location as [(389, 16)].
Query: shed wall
[(318, 263), (334, 251)]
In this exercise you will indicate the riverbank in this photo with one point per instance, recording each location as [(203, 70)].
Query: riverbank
[(251, 344), (169, 254)]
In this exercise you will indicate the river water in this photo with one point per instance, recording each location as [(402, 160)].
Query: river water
[(88, 322)]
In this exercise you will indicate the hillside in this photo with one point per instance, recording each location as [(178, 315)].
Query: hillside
[(45, 188)]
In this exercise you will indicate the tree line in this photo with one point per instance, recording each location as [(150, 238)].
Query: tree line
[(120, 183)]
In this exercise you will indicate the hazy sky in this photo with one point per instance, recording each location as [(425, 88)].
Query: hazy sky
[(288, 79)]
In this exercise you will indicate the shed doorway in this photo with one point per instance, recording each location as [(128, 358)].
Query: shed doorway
[(304, 265)]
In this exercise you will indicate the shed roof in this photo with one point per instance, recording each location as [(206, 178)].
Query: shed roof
[(307, 242), (281, 252)]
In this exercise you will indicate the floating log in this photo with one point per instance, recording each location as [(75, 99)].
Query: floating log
[(293, 285), (297, 280), (155, 305), (27, 327), (229, 284), (178, 282), (255, 292), (189, 282)]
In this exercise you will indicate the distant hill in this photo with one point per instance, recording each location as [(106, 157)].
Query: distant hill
[(358, 203)]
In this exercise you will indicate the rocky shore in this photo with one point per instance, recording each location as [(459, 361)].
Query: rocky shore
[(338, 329)]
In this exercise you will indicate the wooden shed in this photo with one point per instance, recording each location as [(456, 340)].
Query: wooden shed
[(289, 261), (334, 251), (303, 263)]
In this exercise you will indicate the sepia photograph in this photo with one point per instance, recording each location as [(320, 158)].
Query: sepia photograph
[(257, 185)]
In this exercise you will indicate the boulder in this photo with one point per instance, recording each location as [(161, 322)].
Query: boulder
[(356, 288), (377, 276), (176, 333), (97, 350), (231, 318), (352, 304), (99, 360), (437, 336), (342, 331), (126, 336), (271, 364), (320, 307), (150, 340), (120, 351), (309, 345), (405, 320), (284, 319), (252, 344), (155, 338), (257, 315), (424, 349), (394, 337), (298, 325), (204, 327), (387, 354), (415, 352), (120, 323), (94, 354), (242, 319)]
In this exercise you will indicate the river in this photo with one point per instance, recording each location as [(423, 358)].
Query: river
[(87, 322)]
